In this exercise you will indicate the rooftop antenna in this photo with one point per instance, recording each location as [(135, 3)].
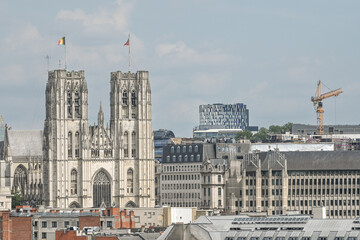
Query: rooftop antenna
[(48, 62)]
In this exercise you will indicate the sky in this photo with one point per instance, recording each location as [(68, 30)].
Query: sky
[(268, 55)]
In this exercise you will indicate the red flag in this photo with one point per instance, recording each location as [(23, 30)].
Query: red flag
[(127, 43)]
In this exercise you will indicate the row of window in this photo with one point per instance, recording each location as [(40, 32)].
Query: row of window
[(180, 195), (54, 224), (328, 181), (180, 186), (190, 148), (209, 191), (186, 168), (336, 191), (180, 158), (307, 182), (209, 179), (207, 203), (181, 204), (180, 177), (319, 203), (226, 149)]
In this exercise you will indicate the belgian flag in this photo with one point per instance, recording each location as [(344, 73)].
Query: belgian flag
[(61, 41)]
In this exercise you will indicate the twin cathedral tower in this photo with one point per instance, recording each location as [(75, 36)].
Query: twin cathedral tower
[(96, 165)]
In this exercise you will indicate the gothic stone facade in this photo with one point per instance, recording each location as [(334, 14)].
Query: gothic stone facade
[(91, 166)]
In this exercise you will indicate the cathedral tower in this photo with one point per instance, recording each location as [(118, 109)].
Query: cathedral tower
[(65, 132), (132, 133)]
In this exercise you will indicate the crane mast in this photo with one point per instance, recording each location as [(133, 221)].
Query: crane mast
[(318, 100)]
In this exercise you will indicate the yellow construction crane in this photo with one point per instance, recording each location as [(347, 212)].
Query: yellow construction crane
[(318, 100)]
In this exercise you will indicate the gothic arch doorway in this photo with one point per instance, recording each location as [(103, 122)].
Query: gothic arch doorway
[(74, 205), (20, 179), (130, 204), (101, 189)]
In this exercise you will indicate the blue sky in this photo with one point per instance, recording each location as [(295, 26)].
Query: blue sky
[(266, 54)]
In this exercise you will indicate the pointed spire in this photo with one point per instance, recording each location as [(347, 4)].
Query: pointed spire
[(101, 116)]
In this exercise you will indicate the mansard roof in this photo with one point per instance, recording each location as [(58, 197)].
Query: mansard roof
[(25, 142), (317, 160)]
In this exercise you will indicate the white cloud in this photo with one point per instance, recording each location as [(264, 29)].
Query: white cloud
[(101, 20), (180, 52), (24, 35)]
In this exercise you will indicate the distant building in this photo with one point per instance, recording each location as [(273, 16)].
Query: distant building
[(305, 129), (222, 121), (226, 116), (188, 175), (162, 137)]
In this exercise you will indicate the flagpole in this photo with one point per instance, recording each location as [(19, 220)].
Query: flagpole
[(65, 50), (129, 56)]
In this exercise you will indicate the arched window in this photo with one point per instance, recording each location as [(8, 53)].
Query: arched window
[(69, 103), (168, 158), (20, 179), (196, 148), (77, 144), (70, 144), (172, 149), (133, 98), (190, 149), (101, 190), (180, 158), (125, 98), (192, 158), (126, 144), (174, 158), (77, 104), (133, 144), (184, 149), (130, 181), (198, 157), (178, 149), (186, 158), (73, 182)]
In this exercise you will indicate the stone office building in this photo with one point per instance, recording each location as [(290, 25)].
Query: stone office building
[(276, 183), (189, 173)]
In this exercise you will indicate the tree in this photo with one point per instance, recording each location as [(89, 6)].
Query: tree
[(16, 199), (261, 135), (287, 127), (275, 129), (246, 134)]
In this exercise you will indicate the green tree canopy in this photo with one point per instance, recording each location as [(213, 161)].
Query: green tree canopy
[(246, 134), (16, 199)]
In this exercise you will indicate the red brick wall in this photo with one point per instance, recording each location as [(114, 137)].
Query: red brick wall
[(106, 238), (5, 225), (21, 228), (68, 235), (89, 221)]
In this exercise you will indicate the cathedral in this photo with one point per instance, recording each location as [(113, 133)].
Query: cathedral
[(73, 164)]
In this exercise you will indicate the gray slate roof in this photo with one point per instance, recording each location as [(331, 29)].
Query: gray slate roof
[(25, 142), (317, 160)]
